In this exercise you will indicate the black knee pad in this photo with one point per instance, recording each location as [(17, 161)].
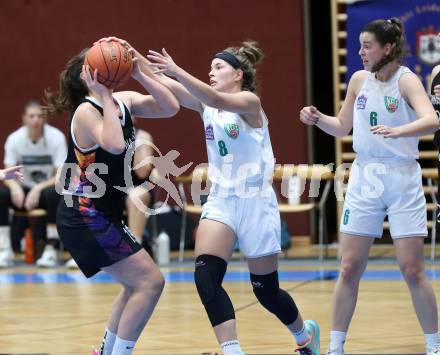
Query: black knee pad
[(275, 300), (208, 277)]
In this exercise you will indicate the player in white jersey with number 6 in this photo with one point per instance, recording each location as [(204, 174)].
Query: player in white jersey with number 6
[(387, 107), (240, 160)]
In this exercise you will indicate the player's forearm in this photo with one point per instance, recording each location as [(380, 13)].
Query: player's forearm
[(165, 100), (197, 88), (332, 125), (183, 96), (420, 127), (144, 65)]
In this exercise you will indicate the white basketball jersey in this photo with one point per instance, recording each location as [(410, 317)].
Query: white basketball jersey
[(39, 158), (238, 154), (381, 103)]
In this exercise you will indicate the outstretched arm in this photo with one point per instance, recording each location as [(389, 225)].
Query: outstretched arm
[(186, 99), (182, 94), (242, 102), (160, 103)]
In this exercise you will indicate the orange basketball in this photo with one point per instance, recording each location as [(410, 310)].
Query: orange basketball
[(113, 61)]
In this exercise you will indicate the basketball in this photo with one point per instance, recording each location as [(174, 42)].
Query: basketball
[(113, 61)]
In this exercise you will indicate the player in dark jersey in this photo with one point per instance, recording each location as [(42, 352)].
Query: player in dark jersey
[(435, 99), (95, 176)]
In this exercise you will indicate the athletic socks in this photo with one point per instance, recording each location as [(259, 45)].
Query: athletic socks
[(5, 238), (431, 340), (108, 342), (52, 232), (337, 339), (301, 336), (123, 347), (231, 347)]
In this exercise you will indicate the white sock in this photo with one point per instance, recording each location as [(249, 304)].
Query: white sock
[(231, 347), (301, 336), (5, 238), (123, 347), (337, 339), (107, 343), (51, 231), (431, 340)]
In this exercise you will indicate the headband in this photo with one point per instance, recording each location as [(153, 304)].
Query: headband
[(229, 58)]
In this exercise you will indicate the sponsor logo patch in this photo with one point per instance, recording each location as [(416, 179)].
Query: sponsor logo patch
[(209, 133), (361, 102)]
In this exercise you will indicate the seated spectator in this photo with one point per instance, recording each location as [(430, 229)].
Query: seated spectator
[(40, 149), (5, 243)]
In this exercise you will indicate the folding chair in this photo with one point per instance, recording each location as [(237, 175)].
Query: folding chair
[(199, 176), (312, 174)]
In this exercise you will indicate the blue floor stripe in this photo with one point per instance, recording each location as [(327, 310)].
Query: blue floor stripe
[(187, 276)]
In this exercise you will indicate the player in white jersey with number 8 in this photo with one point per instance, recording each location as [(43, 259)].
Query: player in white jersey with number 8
[(242, 204), (387, 107)]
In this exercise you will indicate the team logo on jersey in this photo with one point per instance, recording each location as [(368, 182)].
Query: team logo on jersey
[(209, 133), (361, 102), (391, 104), (232, 130)]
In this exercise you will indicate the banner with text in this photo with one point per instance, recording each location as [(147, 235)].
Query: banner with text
[(421, 19)]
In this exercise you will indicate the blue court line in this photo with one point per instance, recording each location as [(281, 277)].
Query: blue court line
[(77, 277)]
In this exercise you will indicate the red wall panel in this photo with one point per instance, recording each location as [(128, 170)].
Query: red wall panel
[(39, 36)]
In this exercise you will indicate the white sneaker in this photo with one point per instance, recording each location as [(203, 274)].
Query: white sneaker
[(49, 258), (6, 258), (71, 264), (336, 351), (435, 350)]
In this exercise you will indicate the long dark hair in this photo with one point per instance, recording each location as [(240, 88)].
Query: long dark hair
[(72, 88), (388, 31)]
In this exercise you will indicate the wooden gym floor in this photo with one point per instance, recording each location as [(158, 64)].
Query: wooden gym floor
[(59, 312)]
